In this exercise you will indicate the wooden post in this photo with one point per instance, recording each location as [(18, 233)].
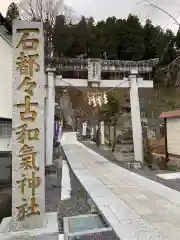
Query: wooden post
[(109, 133), (145, 139), (165, 136), (114, 138), (98, 135)]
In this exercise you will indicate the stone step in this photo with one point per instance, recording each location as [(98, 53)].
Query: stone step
[(135, 165)]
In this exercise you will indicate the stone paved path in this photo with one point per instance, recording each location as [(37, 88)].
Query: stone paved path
[(172, 183), (136, 207)]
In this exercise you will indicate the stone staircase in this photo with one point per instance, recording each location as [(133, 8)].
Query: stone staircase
[(125, 137), (124, 129), (67, 109)]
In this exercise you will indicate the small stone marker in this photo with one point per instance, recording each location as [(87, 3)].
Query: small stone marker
[(102, 132), (84, 129)]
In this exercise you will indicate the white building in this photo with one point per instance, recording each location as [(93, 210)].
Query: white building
[(5, 70), (5, 98), (172, 133)]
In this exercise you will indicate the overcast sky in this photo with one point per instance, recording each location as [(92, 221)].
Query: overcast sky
[(101, 9)]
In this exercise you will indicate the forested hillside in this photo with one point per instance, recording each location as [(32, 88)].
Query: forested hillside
[(125, 39)]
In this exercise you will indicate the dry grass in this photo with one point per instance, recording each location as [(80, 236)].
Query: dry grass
[(157, 145)]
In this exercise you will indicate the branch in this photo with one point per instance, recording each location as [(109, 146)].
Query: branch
[(155, 41), (174, 65), (161, 9), (41, 10), (173, 62), (33, 14)]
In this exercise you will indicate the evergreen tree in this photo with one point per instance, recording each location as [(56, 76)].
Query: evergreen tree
[(178, 40), (12, 12), (124, 39), (151, 40)]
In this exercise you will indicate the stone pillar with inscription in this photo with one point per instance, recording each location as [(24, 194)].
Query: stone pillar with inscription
[(50, 110), (28, 193), (28, 153)]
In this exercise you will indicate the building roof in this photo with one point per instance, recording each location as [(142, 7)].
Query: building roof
[(7, 24), (170, 114), (2, 119)]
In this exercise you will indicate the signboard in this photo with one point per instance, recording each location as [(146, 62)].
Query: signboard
[(94, 70), (28, 193)]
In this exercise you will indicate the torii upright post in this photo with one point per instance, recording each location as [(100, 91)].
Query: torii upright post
[(50, 110), (136, 116)]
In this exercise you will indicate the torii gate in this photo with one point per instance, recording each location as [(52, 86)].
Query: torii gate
[(94, 80)]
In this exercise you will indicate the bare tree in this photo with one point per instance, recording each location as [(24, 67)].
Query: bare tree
[(71, 16), (47, 10), (41, 10), (44, 11), (161, 9)]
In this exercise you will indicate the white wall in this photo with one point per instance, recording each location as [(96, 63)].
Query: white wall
[(173, 135), (5, 79)]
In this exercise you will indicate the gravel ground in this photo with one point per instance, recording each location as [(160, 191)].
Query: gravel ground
[(76, 205), (53, 192), (5, 202), (172, 183)]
